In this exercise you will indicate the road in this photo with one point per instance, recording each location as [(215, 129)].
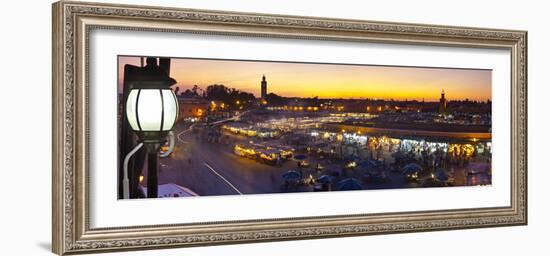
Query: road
[(213, 168), (190, 128)]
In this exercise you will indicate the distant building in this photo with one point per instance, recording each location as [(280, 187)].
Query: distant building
[(192, 107), (442, 103), (264, 88)]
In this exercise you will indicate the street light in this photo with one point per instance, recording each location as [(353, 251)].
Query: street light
[(151, 110)]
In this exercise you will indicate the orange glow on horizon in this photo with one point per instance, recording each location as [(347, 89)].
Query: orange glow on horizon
[(330, 80)]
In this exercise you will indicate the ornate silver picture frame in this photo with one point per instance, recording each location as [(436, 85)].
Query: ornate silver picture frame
[(72, 208)]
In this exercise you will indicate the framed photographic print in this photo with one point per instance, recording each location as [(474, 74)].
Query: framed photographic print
[(179, 127)]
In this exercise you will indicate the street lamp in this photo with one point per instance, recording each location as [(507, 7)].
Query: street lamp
[(151, 110)]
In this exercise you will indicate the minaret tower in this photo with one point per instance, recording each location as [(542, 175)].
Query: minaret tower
[(442, 103), (264, 87)]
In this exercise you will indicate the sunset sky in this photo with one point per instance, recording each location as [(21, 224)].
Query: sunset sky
[(329, 80)]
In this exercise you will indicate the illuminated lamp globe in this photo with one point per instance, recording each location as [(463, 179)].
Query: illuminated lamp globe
[(151, 112)]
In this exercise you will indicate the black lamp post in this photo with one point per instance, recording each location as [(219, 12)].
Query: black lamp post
[(151, 110)]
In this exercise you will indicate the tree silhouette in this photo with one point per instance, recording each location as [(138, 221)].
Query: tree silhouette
[(275, 100), (229, 96)]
